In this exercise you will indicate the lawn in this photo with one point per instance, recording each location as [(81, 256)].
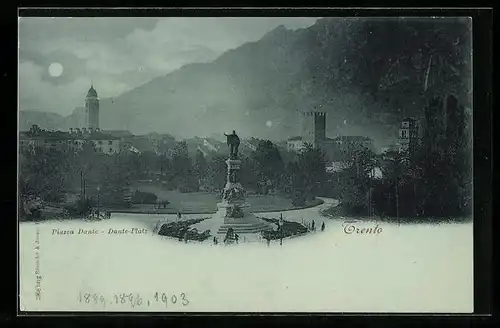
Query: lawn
[(205, 202)]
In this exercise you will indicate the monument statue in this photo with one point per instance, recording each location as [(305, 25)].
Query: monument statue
[(233, 141), (231, 210)]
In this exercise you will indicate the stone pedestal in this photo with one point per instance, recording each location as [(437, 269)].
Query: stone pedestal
[(232, 210)]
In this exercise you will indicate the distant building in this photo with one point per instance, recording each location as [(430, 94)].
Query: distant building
[(314, 127), (295, 144), (127, 146), (334, 167), (314, 133), (346, 141), (210, 144), (37, 138), (410, 135), (72, 140), (341, 147), (104, 143), (92, 109), (251, 143)]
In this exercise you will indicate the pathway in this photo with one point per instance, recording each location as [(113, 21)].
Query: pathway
[(154, 221)]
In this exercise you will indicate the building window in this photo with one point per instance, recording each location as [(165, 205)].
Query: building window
[(110, 142), (100, 142), (110, 150)]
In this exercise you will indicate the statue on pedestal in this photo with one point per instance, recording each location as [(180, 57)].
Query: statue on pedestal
[(233, 141)]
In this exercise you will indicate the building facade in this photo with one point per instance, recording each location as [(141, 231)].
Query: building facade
[(410, 135), (313, 131), (74, 140), (295, 144)]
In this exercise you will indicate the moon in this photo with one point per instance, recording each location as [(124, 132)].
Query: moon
[(269, 124), (55, 69)]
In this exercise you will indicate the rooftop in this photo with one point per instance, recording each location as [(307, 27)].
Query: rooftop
[(352, 138), (92, 93), (62, 135), (119, 133), (97, 135)]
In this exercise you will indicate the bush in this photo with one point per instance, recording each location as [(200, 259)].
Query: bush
[(181, 230), (35, 215), (288, 229)]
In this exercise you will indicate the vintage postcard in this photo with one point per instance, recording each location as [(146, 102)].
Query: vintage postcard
[(245, 164)]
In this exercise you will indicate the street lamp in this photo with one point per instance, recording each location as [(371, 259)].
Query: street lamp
[(98, 189)]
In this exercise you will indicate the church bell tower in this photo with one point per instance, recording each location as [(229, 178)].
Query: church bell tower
[(92, 109)]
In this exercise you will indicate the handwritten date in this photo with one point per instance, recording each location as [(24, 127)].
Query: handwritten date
[(133, 300)]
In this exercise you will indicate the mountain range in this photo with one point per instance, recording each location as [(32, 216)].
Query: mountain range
[(366, 74)]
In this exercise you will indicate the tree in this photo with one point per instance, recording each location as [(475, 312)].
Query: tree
[(305, 177), (216, 172), (297, 184), (394, 172), (436, 180), (269, 163), (312, 162), (250, 178), (43, 174), (355, 182), (183, 168), (149, 163), (200, 166)]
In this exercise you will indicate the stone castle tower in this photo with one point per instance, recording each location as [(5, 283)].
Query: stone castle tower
[(314, 127), (92, 109)]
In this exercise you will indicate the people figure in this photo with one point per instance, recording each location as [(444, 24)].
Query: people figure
[(229, 236), (215, 240), (312, 226), (186, 236), (323, 227), (179, 216), (233, 141), (236, 237)]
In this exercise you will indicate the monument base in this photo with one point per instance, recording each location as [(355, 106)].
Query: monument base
[(248, 224), (231, 211)]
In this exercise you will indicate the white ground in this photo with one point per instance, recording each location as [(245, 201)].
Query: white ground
[(419, 268)]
